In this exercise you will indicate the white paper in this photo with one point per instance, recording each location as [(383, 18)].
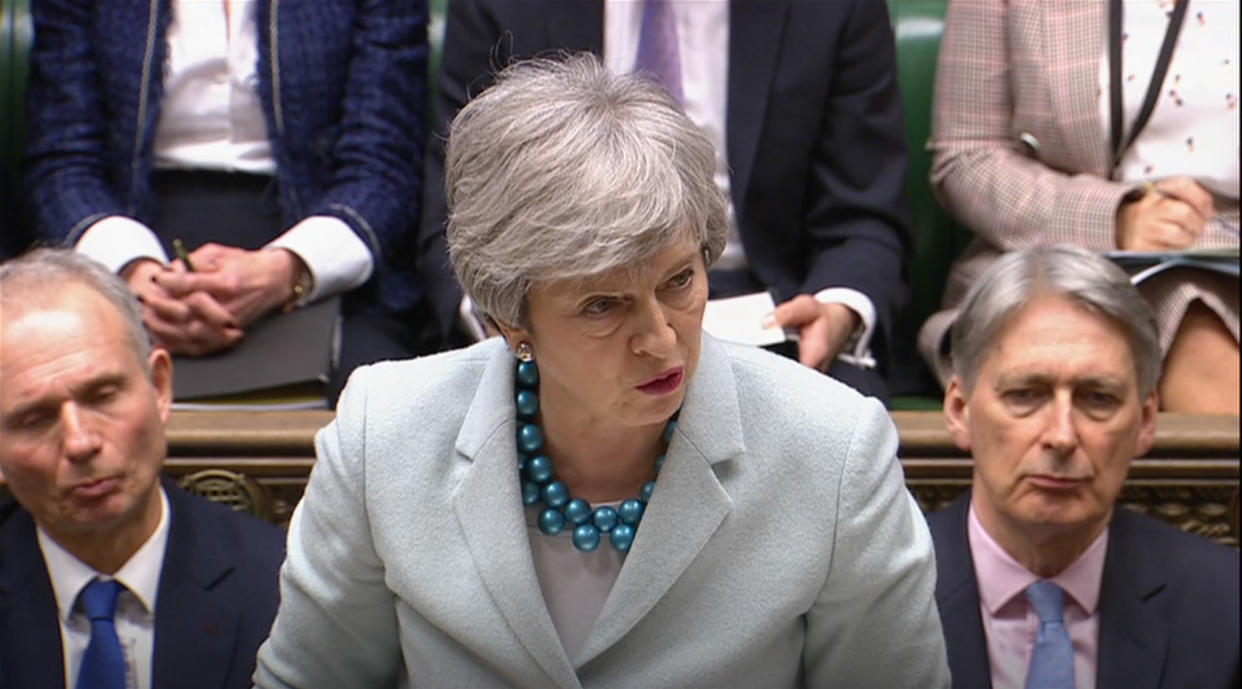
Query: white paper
[(740, 319)]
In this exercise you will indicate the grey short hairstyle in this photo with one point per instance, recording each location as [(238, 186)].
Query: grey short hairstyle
[(1089, 280), (563, 170), (46, 271)]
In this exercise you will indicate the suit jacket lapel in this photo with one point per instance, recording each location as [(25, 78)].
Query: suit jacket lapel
[(489, 509), (1133, 632), (957, 597), (195, 629), (755, 30), (1075, 37), (687, 506), (576, 25), (30, 649)]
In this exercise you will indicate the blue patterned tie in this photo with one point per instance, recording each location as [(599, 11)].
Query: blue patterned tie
[(1052, 659), (658, 54), (103, 665)]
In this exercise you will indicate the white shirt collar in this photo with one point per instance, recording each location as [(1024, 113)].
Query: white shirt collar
[(140, 574)]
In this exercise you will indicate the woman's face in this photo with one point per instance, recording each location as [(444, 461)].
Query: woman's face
[(616, 350)]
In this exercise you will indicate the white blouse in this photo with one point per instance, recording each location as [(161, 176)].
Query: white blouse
[(1193, 130)]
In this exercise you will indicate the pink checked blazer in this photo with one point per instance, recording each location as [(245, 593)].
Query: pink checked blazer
[(1020, 156)]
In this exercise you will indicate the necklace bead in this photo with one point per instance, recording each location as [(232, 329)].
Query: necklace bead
[(562, 510), (586, 538), (528, 374), (530, 438), (527, 404)]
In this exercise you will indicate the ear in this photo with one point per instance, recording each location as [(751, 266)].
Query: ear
[(160, 365), (1147, 424), (513, 335), (957, 413)]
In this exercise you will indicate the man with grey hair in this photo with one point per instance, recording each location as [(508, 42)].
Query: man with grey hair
[(1042, 581), (109, 577)]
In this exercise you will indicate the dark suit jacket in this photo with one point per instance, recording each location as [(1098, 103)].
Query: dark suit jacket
[(814, 128), (217, 597), (1168, 606)]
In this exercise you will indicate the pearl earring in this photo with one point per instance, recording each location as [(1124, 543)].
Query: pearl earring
[(525, 352)]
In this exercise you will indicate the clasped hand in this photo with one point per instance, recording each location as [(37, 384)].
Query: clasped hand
[(206, 311), (1172, 215)]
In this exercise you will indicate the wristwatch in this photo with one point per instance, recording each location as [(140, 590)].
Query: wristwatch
[(303, 282)]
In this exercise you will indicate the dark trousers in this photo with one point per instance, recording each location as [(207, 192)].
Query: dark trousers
[(241, 210)]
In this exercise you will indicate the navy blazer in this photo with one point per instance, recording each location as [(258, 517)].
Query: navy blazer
[(342, 86), (217, 597), (1168, 606), (814, 129)]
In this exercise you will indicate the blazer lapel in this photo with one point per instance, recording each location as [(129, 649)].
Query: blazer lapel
[(755, 30), (194, 628), (687, 506), (30, 650), (1074, 35), (1133, 632), (957, 597), (489, 509)]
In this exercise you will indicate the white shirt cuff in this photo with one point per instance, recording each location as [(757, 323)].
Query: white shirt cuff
[(116, 240), (858, 348), (337, 259)]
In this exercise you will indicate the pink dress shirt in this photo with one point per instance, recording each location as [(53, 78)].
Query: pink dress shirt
[(1009, 621)]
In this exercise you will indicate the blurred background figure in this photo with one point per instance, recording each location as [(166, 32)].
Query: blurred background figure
[(606, 496), (800, 100), (281, 143), (1106, 125)]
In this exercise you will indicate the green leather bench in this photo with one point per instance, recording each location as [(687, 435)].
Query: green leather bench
[(15, 37), (937, 237)]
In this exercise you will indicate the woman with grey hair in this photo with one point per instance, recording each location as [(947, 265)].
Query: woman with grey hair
[(605, 496)]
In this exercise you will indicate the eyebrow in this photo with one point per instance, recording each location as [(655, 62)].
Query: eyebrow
[(103, 379), (1045, 379)]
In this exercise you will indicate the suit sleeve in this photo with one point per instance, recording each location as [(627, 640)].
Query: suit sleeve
[(473, 50), (337, 623), (979, 168), (874, 623), (377, 159), (856, 219), (67, 178)]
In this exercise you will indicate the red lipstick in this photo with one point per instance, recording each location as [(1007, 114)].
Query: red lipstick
[(664, 383)]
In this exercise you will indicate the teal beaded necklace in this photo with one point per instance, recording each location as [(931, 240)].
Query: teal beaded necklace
[(562, 510)]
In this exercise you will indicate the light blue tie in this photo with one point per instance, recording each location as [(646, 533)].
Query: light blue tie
[(658, 54), (103, 665), (1052, 659)]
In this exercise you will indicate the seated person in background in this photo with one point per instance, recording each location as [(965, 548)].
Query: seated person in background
[(280, 142), (800, 100), (606, 496), (1027, 152), (110, 577), (1044, 581)]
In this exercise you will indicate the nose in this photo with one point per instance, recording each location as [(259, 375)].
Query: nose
[(654, 335), (1061, 430), (81, 442)]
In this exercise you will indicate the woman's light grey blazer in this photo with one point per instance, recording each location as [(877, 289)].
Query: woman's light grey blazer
[(780, 548)]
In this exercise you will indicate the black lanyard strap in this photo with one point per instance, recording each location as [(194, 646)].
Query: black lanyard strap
[(1157, 77)]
